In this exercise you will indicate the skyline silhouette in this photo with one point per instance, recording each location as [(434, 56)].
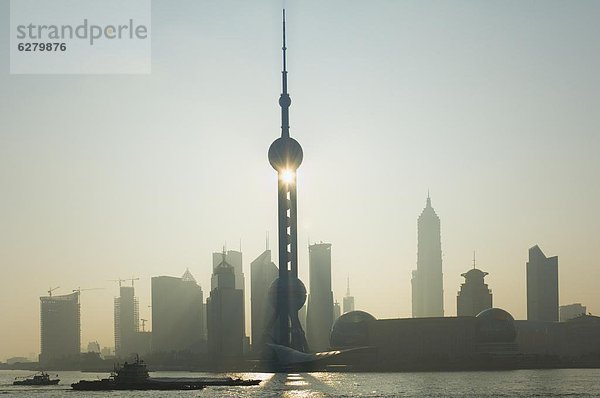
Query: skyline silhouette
[(148, 175)]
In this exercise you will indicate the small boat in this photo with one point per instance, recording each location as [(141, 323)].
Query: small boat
[(41, 379)]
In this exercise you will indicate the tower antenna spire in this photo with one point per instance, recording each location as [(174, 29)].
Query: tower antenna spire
[(284, 100), (473, 259), (284, 49)]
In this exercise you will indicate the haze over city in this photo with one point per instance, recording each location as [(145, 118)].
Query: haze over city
[(489, 107)]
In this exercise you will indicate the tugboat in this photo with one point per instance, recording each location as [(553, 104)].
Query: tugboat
[(41, 379), (134, 376)]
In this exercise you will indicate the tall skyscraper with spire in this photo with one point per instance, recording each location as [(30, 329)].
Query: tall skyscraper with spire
[(348, 301), (285, 156), (427, 285)]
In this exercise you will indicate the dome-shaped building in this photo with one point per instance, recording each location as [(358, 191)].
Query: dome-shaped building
[(351, 330), (495, 325)]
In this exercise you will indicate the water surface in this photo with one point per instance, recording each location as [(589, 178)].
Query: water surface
[(518, 383)]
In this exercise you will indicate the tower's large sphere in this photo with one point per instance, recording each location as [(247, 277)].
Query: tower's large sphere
[(296, 291), (285, 153)]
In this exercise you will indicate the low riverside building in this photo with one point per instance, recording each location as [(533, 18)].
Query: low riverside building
[(576, 338), (490, 340)]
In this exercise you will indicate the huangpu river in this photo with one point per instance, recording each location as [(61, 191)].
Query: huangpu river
[(519, 383)]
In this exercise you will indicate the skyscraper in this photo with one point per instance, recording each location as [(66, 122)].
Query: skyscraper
[(337, 311), (542, 286), (225, 314), (127, 322), (474, 295), (427, 285), (319, 316), (285, 156), (262, 274), (348, 300), (233, 258), (60, 327), (176, 314)]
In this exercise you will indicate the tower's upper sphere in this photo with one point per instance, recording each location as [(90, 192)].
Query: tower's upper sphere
[(285, 153), (285, 101)]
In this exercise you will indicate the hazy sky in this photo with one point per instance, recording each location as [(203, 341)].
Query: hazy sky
[(493, 106)]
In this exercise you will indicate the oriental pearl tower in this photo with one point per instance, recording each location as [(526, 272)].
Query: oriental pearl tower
[(287, 293)]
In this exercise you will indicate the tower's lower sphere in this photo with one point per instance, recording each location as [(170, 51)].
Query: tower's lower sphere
[(296, 291), (285, 153)]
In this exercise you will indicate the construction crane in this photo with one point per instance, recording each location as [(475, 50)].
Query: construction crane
[(51, 290), (144, 324), (118, 280), (79, 289), (132, 279)]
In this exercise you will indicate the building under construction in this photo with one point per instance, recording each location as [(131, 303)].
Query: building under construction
[(127, 322), (60, 321)]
